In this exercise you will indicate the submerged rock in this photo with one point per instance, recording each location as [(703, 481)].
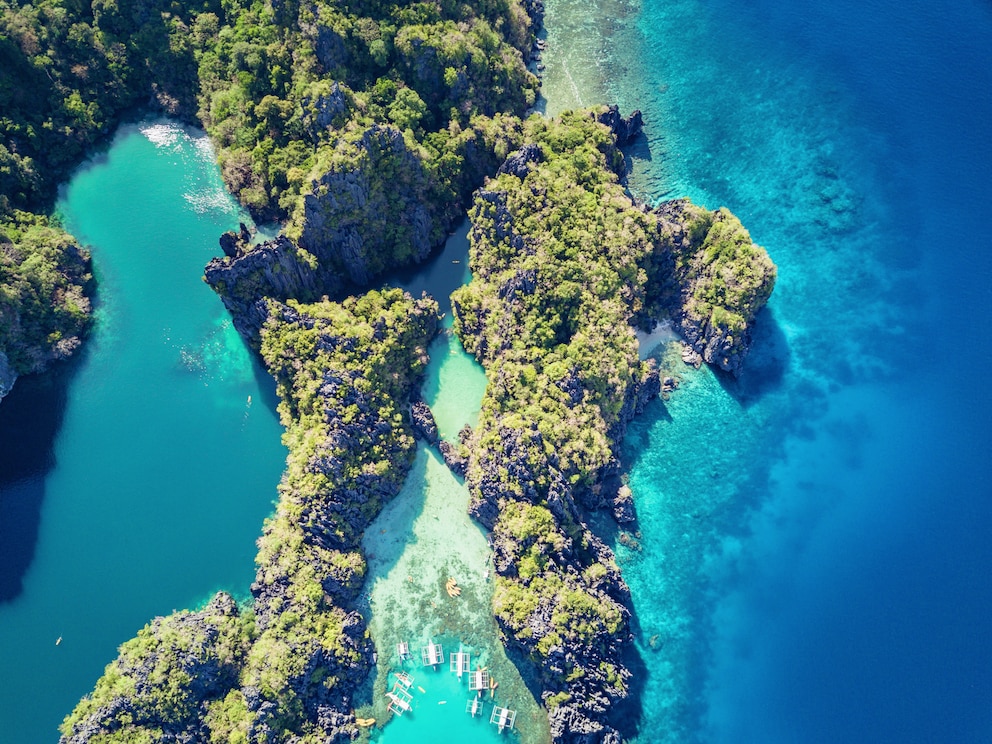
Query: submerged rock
[(422, 420)]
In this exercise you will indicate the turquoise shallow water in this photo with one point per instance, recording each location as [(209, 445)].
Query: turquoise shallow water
[(423, 538), (164, 452), (812, 551)]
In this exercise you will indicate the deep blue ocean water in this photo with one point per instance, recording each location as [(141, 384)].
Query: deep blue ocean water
[(814, 549)]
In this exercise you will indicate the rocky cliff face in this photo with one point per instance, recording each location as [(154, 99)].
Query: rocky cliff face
[(624, 128), (555, 265), (275, 268), (168, 679), (46, 285), (368, 211), (560, 600), (562, 266), (370, 208), (345, 374), (721, 279)]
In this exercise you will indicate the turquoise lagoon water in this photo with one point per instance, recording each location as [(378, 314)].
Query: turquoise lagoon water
[(135, 482), (812, 557), (423, 538)]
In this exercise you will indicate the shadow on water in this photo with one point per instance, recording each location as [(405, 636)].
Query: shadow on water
[(387, 554), (266, 384), (441, 274), (636, 442), (414, 496), (30, 420), (639, 149), (765, 367)]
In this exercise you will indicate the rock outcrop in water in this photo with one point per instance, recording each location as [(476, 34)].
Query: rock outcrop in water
[(275, 269), (723, 279), (170, 679), (624, 129), (563, 263), (288, 665)]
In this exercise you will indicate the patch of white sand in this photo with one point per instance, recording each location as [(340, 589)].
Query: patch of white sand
[(662, 334)]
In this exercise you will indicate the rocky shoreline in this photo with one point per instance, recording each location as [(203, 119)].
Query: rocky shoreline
[(562, 264), (541, 315)]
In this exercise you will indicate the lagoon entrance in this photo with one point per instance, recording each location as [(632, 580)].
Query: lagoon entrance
[(164, 455)]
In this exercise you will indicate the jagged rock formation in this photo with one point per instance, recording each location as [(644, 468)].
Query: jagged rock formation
[(624, 129), (198, 655), (546, 315), (422, 420), (276, 269), (288, 666), (723, 279), (563, 263), (455, 456), (367, 211), (373, 205)]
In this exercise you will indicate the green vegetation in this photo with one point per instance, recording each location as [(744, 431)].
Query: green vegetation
[(298, 97), (563, 263), (44, 281), (271, 82), (288, 666), (726, 277), (343, 372), (281, 84), (557, 252), (366, 125), (69, 70), (164, 680), (556, 257)]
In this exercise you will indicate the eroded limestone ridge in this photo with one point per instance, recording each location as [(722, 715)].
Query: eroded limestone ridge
[(287, 666), (377, 201), (563, 262)]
